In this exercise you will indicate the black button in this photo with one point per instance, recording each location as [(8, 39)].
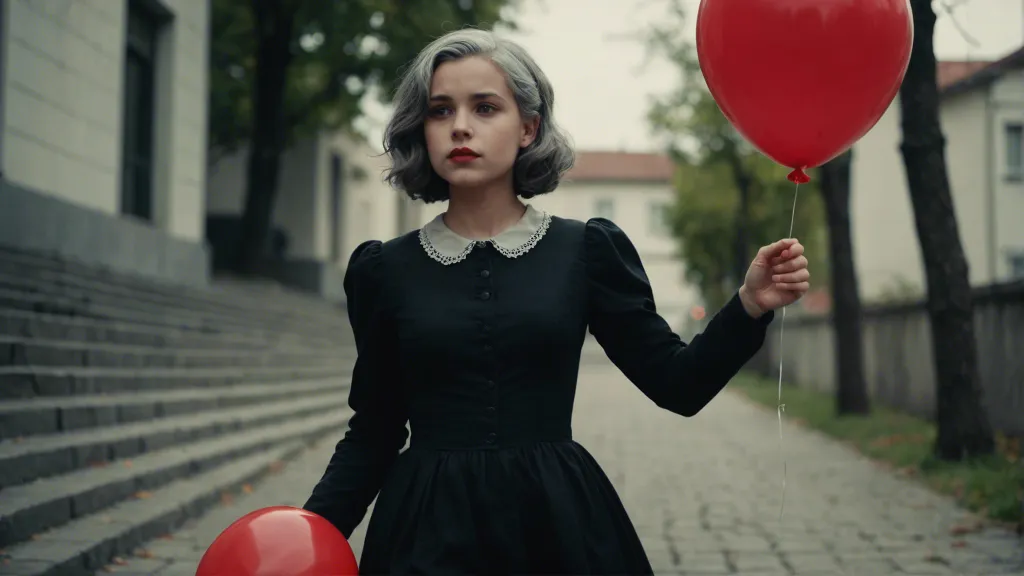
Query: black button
[(491, 438), (485, 273), (485, 295), (481, 243)]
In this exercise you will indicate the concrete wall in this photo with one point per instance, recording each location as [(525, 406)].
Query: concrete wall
[(62, 108), (898, 358)]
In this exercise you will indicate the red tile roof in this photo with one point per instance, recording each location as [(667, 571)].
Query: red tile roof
[(950, 72), (621, 167)]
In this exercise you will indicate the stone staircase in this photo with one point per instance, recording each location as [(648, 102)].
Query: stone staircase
[(128, 407)]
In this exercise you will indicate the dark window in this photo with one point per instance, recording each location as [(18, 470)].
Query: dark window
[(1015, 151), (139, 80), (337, 191)]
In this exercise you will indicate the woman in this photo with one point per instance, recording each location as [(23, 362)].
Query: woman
[(470, 331)]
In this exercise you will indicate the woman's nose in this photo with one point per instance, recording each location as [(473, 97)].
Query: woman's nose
[(461, 126)]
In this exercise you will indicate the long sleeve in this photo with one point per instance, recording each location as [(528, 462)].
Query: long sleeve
[(677, 376), (377, 429)]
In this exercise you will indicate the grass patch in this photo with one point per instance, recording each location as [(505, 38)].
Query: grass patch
[(993, 487)]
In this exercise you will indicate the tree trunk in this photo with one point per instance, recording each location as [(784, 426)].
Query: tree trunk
[(963, 426), (852, 391), (274, 21)]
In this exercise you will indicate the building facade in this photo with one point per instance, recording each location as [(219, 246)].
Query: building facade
[(982, 116), (103, 127)]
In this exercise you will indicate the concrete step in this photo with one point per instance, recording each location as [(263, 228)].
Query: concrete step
[(47, 456), (28, 510), (74, 303), (73, 414), (260, 316), (48, 326), (85, 546), (243, 294), (16, 351), (31, 381), (60, 305)]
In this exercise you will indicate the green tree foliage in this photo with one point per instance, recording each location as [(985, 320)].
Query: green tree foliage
[(730, 198), (281, 69)]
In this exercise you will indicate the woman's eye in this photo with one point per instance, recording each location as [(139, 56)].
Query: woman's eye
[(487, 109), (439, 111)]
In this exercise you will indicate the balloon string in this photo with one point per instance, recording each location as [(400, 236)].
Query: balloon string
[(782, 326)]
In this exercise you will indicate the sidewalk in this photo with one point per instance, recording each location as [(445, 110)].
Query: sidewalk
[(705, 495)]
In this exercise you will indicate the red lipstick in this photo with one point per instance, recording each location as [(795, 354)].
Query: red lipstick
[(463, 155)]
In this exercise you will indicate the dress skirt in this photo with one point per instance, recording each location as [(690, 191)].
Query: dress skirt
[(544, 508)]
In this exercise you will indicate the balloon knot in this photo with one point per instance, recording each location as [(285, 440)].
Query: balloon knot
[(798, 176)]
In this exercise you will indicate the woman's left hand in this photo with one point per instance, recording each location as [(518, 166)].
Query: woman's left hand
[(777, 277)]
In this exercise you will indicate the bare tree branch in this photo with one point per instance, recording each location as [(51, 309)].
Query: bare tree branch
[(949, 6)]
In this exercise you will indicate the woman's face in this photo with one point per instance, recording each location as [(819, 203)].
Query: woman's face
[(473, 128)]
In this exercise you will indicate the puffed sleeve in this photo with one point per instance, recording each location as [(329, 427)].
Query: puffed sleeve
[(677, 376), (376, 431)]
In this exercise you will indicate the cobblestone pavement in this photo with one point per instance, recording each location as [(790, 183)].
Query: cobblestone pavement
[(705, 496)]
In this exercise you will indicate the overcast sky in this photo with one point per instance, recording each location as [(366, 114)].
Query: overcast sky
[(602, 87)]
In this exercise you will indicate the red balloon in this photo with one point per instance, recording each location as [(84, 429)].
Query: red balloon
[(802, 80), (279, 541)]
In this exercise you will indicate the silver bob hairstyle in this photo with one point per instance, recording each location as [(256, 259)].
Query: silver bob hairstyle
[(538, 167)]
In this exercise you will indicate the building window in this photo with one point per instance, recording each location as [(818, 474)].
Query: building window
[(657, 219), (337, 204), (1015, 152), (139, 97), (604, 208), (1016, 264)]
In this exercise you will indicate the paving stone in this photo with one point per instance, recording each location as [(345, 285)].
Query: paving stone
[(133, 566), (810, 564)]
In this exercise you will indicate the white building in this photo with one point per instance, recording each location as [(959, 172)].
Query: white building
[(332, 198), (103, 107), (982, 116)]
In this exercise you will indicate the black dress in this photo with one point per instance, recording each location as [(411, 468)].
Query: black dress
[(478, 351)]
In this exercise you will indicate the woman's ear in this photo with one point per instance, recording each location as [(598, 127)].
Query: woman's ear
[(529, 132)]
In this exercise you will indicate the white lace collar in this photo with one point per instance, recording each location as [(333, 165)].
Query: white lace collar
[(448, 248)]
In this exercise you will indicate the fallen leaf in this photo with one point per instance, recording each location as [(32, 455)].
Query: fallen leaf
[(98, 464), (226, 498), (247, 488), (143, 495), (167, 537), (966, 528), (143, 553), (119, 561), (958, 544), (128, 464), (276, 466)]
